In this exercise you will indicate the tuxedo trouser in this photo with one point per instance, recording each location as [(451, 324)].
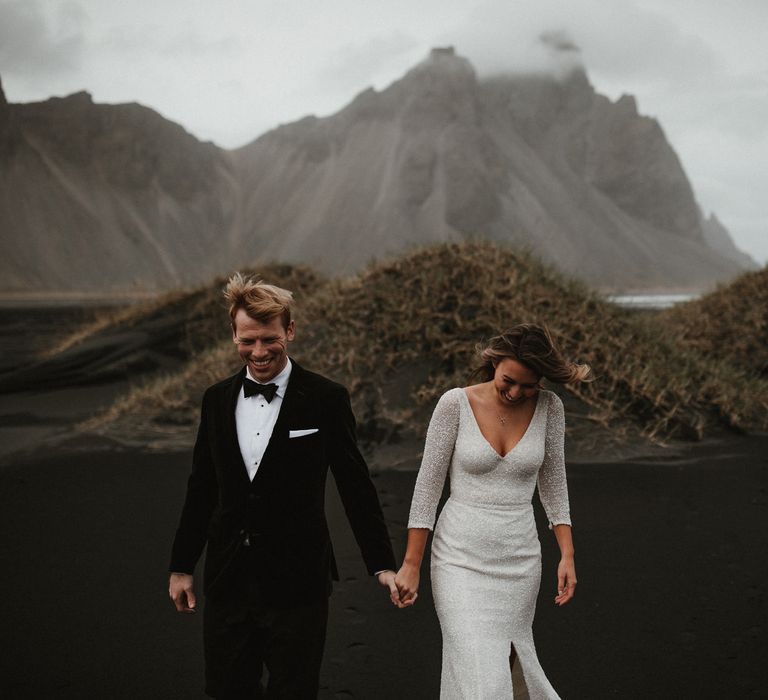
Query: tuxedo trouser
[(241, 637)]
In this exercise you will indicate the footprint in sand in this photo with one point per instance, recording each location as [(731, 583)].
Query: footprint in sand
[(354, 616)]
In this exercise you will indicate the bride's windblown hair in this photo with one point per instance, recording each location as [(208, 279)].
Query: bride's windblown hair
[(533, 346)]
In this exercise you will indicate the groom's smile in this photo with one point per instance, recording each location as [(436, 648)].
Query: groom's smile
[(262, 346)]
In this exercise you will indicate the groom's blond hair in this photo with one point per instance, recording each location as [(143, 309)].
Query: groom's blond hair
[(261, 301)]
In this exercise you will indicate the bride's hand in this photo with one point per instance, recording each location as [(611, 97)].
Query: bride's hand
[(407, 582), (566, 580)]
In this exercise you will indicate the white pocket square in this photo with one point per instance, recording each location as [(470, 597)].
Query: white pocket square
[(301, 433)]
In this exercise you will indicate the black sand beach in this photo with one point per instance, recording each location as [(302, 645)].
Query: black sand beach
[(669, 551), (670, 558)]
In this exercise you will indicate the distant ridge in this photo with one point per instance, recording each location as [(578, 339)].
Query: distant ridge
[(113, 198), (107, 198)]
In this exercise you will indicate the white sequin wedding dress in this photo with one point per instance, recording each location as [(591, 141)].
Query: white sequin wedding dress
[(486, 556)]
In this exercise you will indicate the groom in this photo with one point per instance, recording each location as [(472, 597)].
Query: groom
[(255, 496)]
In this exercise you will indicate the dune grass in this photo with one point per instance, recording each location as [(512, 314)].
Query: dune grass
[(730, 324), (404, 331), (432, 307)]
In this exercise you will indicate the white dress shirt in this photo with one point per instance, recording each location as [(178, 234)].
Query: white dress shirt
[(255, 418)]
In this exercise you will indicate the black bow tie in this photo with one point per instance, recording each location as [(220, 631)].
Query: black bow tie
[(251, 388)]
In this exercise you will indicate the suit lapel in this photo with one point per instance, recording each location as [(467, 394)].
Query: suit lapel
[(295, 396), (230, 425)]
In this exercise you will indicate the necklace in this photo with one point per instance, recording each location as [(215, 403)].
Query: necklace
[(501, 418)]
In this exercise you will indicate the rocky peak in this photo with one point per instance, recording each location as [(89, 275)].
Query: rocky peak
[(441, 89), (76, 103), (5, 109), (444, 64), (8, 131), (626, 105), (82, 98), (718, 238), (576, 93), (128, 145), (442, 53), (537, 102)]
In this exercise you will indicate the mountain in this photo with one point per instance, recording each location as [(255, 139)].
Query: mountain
[(115, 198), (718, 238), (107, 198), (589, 185)]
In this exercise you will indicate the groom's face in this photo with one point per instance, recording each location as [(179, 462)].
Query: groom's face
[(263, 346)]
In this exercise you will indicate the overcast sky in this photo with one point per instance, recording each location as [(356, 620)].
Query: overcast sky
[(231, 69)]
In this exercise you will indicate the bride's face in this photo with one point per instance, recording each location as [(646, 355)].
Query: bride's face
[(514, 383)]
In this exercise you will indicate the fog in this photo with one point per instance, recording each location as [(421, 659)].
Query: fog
[(230, 70)]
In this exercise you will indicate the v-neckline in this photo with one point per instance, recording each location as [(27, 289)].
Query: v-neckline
[(485, 439)]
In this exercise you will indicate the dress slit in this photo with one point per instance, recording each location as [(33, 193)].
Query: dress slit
[(519, 687)]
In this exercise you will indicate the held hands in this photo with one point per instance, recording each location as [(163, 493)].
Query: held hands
[(387, 579), (407, 582), (566, 580), (181, 593), (402, 586)]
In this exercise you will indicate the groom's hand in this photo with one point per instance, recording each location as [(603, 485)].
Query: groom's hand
[(181, 593), (387, 579)]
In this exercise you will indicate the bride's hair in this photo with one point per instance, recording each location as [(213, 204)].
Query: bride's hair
[(533, 346)]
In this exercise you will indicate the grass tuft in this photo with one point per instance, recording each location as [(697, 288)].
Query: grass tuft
[(404, 331)]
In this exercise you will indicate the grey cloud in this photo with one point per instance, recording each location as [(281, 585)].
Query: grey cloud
[(193, 44), (738, 104), (34, 43), (355, 66), (645, 47), (559, 41), (623, 41), (158, 40)]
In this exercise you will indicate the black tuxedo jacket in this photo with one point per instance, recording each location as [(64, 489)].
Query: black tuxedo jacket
[(280, 514)]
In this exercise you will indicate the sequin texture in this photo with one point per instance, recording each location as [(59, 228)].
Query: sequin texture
[(486, 556)]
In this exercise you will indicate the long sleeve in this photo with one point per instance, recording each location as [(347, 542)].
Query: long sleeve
[(553, 489), (202, 493), (438, 450), (357, 491)]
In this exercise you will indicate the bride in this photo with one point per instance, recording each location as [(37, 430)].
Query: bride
[(497, 440)]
